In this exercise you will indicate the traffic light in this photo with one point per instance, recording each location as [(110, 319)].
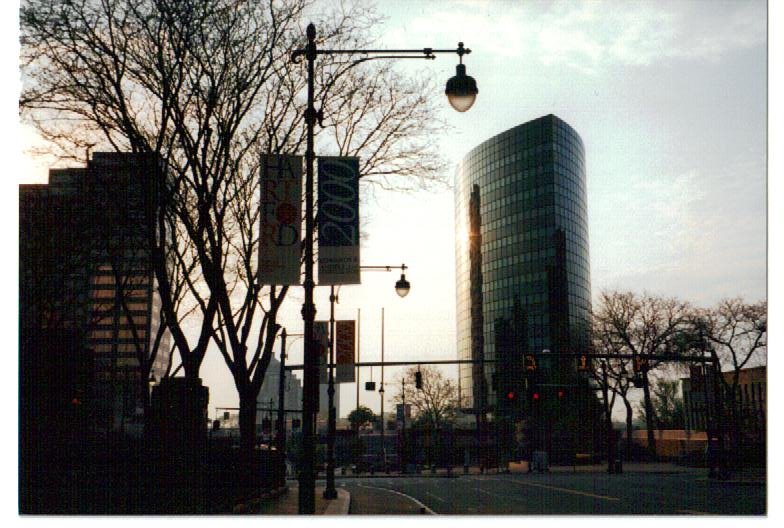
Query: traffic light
[(370, 385), (536, 396), (418, 380), (561, 393), (511, 396)]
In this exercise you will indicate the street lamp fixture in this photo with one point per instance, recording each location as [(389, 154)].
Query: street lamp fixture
[(461, 89), (402, 286), (462, 92)]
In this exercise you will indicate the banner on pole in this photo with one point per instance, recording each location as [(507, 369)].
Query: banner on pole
[(280, 219), (338, 220), (321, 338), (344, 351)]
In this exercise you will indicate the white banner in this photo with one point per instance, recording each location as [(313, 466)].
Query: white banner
[(281, 219), (338, 220)]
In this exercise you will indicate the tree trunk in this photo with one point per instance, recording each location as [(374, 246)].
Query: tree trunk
[(649, 416), (247, 423), (629, 416)]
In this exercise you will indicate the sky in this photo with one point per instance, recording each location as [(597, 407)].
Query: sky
[(670, 99)]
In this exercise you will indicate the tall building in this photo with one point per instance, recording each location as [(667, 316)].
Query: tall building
[(88, 300), (523, 272)]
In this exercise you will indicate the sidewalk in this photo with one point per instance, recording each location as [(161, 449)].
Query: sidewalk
[(287, 503)]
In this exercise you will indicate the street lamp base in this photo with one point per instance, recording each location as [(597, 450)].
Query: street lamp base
[(330, 494)]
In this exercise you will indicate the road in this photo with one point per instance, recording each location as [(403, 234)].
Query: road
[(555, 493)]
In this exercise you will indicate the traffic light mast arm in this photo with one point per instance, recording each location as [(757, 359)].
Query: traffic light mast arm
[(653, 357)]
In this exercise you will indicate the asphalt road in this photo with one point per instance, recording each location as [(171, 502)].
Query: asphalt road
[(555, 494)]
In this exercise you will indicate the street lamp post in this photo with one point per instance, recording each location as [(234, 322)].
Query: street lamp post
[(461, 91), (281, 429), (402, 287)]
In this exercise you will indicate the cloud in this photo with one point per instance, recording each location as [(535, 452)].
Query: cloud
[(594, 35)]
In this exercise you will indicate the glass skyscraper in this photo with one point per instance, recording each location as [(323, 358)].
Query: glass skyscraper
[(521, 248)]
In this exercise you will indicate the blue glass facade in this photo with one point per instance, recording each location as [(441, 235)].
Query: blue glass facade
[(534, 243)]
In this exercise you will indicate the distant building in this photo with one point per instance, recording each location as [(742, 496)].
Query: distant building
[(89, 311), (268, 395), (751, 398)]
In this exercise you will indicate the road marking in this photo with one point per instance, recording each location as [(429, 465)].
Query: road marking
[(557, 488), (427, 510), (692, 512), (435, 497)]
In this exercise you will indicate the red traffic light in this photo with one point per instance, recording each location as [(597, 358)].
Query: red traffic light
[(560, 393), (510, 395), (535, 396)]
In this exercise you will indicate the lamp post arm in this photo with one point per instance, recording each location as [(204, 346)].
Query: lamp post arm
[(383, 268), (428, 53)]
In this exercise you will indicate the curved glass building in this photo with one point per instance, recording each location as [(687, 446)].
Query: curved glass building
[(522, 252)]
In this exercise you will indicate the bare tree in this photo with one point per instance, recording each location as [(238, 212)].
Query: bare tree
[(632, 324), (207, 86), (737, 333), (619, 370), (436, 402)]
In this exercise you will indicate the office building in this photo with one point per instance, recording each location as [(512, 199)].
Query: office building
[(89, 312), (523, 272)]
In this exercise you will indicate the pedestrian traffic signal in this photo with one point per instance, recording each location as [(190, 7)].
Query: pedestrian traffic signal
[(418, 380), (583, 364), (639, 363), (530, 363)]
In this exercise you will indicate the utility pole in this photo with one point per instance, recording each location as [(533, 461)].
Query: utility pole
[(381, 392)]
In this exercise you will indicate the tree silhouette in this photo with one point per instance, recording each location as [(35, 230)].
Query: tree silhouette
[(208, 86)]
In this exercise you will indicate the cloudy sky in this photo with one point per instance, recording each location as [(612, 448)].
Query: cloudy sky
[(670, 101)]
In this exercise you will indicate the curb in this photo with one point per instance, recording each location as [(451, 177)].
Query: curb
[(339, 506), (246, 505)]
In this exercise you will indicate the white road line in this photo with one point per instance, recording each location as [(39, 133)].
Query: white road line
[(557, 488), (427, 510), (435, 497), (692, 512)]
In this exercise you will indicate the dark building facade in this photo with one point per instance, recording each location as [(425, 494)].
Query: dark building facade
[(89, 311), (522, 259)]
